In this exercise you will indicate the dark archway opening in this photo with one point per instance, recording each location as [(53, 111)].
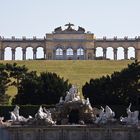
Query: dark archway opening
[(74, 116)]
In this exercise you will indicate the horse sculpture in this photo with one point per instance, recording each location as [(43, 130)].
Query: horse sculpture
[(132, 117), (105, 115)]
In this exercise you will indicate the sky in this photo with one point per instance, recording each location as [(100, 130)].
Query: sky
[(102, 17)]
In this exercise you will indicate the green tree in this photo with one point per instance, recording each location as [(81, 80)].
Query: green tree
[(4, 83), (16, 72), (47, 88), (119, 88)]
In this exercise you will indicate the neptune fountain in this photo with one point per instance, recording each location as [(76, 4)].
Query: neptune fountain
[(73, 118)]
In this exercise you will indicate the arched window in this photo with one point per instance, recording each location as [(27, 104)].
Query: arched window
[(80, 51), (69, 51), (59, 51)]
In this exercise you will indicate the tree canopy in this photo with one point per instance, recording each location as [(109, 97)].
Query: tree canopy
[(120, 88), (4, 83), (47, 88)]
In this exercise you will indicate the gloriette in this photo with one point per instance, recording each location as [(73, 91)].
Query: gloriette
[(69, 44)]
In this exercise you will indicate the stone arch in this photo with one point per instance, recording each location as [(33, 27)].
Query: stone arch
[(29, 52), (99, 52), (120, 53), (18, 53), (39, 52), (8, 53), (109, 53), (131, 53)]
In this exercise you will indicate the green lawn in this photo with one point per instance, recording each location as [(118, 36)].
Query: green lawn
[(78, 72)]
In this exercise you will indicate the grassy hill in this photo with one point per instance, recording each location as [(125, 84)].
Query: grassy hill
[(78, 72)]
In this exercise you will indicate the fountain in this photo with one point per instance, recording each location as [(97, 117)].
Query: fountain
[(73, 118)]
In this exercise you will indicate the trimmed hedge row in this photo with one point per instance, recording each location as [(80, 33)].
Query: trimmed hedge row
[(27, 110)]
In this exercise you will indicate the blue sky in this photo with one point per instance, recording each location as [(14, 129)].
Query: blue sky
[(102, 17)]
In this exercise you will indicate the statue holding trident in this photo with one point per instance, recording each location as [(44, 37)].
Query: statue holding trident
[(69, 26)]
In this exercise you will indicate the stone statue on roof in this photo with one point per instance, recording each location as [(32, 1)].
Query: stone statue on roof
[(58, 29), (69, 26)]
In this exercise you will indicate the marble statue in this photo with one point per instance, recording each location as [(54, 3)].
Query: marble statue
[(105, 115), (1, 121), (61, 100), (15, 117), (40, 114), (109, 113), (44, 115), (72, 94), (87, 102), (72, 110), (132, 117)]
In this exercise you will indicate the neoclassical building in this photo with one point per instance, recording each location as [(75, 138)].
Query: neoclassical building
[(70, 44)]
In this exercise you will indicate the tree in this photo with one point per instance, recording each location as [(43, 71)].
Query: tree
[(4, 83), (47, 88), (8, 72), (119, 88), (16, 72)]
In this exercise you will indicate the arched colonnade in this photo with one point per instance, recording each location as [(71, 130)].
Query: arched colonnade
[(69, 53)]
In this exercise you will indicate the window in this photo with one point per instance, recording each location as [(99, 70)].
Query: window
[(59, 51), (80, 51), (69, 51)]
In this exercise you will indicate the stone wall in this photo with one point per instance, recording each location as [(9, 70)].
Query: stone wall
[(70, 132)]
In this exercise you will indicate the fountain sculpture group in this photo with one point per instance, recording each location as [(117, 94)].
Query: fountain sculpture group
[(73, 104), (71, 111)]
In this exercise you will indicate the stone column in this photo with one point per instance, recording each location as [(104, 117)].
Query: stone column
[(136, 54), (125, 53), (74, 54), (115, 54), (94, 53), (13, 54), (85, 54), (34, 54), (2, 54), (54, 53), (104, 53), (64, 54), (137, 50), (23, 54), (44, 50)]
